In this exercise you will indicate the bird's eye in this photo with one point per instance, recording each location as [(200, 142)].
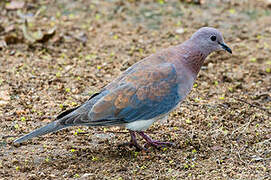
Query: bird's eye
[(213, 38)]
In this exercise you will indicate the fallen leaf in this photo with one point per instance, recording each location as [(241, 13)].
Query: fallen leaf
[(12, 38), (47, 36), (37, 36), (26, 34)]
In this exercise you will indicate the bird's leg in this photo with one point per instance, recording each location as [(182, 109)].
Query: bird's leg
[(151, 142), (133, 142)]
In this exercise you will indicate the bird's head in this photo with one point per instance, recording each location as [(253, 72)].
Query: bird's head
[(208, 40)]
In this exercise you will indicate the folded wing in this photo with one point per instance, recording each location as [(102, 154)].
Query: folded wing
[(144, 93)]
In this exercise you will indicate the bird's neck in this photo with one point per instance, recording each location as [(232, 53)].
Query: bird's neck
[(191, 56)]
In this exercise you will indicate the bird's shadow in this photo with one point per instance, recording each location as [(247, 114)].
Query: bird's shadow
[(87, 154)]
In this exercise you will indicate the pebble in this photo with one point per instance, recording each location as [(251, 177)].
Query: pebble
[(180, 31)]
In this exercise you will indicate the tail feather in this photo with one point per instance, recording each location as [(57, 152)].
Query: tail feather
[(52, 127), (71, 117)]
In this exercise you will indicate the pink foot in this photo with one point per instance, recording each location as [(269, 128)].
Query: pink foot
[(154, 143), (133, 142), (150, 142)]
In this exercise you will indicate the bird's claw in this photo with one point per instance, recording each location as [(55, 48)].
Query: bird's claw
[(150, 142)]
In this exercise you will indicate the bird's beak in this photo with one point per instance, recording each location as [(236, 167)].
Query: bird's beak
[(225, 47)]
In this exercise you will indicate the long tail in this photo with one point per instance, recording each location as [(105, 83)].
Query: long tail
[(60, 123), (51, 127), (68, 118)]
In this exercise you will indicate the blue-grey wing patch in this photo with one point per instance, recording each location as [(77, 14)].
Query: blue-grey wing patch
[(142, 94)]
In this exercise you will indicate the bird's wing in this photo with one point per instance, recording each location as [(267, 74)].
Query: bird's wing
[(143, 93)]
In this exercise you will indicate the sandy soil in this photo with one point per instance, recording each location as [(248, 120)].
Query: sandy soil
[(69, 50)]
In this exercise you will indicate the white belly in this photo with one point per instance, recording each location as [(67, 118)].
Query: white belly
[(142, 125)]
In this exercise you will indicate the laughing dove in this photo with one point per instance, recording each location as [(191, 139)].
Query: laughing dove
[(146, 92)]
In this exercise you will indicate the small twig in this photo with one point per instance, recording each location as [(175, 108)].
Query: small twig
[(245, 126), (253, 105)]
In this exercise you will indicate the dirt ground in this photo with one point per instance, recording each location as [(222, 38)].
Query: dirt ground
[(55, 54)]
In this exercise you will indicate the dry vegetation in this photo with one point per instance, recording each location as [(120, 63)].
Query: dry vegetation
[(55, 54)]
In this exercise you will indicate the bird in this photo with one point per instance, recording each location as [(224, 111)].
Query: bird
[(145, 93)]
